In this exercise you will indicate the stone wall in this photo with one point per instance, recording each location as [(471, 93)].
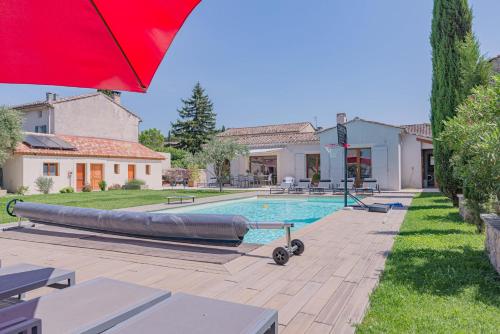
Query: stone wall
[(492, 243)]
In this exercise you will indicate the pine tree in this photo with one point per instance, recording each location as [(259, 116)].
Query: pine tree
[(451, 23), (196, 124)]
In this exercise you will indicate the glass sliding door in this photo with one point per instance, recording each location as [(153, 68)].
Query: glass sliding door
[(312, 165), (359, 164), (264, 166)]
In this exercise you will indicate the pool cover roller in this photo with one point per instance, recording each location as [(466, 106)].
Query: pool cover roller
[(224, 230)]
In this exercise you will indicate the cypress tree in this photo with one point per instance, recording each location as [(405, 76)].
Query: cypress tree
[(196, 124), (451, 23)]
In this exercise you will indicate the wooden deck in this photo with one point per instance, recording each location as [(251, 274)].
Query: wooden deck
[(325, 290)]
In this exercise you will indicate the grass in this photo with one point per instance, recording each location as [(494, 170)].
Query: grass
[(437, 279), (114, 199)]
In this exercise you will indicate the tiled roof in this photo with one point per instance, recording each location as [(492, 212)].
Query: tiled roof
[(268, 129), (94, 147), (423, 129), (273, 135)]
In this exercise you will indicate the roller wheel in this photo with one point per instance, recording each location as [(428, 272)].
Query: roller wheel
[(10, 206), (300, 246), (280, 255)]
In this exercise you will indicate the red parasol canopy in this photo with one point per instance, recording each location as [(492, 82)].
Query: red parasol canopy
[(106, 44)]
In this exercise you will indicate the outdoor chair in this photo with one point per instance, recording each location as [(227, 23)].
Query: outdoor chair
[(301, 186), (188, 314), (322, 187), (21, 278), (369, 186), (90, 307), (268, 180), (281, 189)]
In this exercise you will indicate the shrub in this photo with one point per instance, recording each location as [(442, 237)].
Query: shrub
[(44, 184), (134, 184), (67, 190), (22, 190), (115, 186), (473, 135), (103, 185), (87, 188)]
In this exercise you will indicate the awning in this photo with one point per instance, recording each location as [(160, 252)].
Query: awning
[(265, 150)]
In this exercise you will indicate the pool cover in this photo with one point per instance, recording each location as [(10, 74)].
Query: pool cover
[(227, 230)]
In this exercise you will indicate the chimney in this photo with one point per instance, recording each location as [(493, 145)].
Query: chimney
[(49, 97), (341, 118), (116, 96)]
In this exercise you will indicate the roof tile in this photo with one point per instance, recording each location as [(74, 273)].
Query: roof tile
[(94, 147)]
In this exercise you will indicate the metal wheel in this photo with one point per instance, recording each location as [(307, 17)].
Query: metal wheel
[(10, 206), (300, 246), (280, 255)]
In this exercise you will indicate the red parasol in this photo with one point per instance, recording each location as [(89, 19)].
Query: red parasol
[(106, 44)]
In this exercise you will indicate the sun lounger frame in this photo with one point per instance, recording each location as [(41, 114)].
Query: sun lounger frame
[(37, 279)]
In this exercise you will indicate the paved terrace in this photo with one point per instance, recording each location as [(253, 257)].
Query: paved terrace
[(325, 290)]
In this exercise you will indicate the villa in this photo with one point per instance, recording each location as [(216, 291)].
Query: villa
[(80, 140), (396, 156), (278, 150)]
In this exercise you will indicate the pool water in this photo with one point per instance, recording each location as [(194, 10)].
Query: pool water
[(301, 212)]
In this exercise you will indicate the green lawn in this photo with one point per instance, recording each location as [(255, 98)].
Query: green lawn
[(106, 199), (438, 278)]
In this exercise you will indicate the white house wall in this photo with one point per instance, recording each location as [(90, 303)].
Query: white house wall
[(386, 152), (13, 173), (109, 120), (411, 162), (37, 116), (291, 161), (24, 170)]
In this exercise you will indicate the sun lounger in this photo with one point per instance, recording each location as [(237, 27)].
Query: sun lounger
[(20, 278), (21, 326), (188, 314), (281, 189), (302, 185), (89, 307), (322, 187)]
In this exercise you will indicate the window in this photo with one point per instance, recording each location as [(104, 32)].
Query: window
[(148, 169), (117, 168), (40, 114), (50, 169), (312, 165), (41, 129)]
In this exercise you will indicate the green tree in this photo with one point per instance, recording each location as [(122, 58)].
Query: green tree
[(153, 139), (196, 124), (107, 92), (216, 152), (475, 69), (10, 132), (178, 157), (451, 24), (474, 136)]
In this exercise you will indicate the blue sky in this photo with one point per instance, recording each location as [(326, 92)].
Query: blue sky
[(278, 61)]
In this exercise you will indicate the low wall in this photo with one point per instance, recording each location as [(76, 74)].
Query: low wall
[(492, 243)]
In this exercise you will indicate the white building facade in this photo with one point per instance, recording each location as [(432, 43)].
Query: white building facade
[(276, 151), (396, 157), (80, 141)]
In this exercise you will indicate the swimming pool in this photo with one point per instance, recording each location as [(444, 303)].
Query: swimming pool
[(301, 212)]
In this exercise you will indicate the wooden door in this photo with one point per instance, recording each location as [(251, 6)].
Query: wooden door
[(131, 172), (80, 176), (96, 175)]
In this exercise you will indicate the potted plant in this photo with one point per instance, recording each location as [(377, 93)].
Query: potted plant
[(315, 179), (193, 175)]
